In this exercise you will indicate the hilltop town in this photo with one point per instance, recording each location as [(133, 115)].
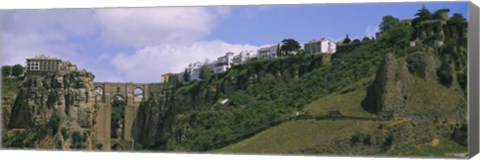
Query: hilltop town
[(230, 59)]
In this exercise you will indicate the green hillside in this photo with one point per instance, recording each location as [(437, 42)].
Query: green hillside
[(347, 101), (297, 136), (329, 136), (405, 88)]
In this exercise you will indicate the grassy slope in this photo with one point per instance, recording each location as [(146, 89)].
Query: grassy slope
[(437, 147), (347, 101), (429, 96), (293, 136)]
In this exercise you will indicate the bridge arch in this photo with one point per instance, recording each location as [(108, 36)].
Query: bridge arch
[(138, 91), (118, 120)]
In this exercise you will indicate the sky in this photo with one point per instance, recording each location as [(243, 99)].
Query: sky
[(141, 44)]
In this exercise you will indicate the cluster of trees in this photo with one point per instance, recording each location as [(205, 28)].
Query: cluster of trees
[(288, 47), (365, 39), (15, 71), (396, 31)]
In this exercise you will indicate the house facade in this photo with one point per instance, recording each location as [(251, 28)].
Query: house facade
[(43, 64), (194, 71), (267, 52), (48, 65), (223, 63), (323, 45), (166, 77), (242, 57)]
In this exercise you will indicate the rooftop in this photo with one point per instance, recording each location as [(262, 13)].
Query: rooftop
[(43, 57), (319, 40), (267, 48), (167, 74)]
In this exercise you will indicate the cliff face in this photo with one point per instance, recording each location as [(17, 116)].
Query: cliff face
[(152, 126), (7, 102), (53, 112)]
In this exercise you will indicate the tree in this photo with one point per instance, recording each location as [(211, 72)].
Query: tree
[(388, 22), (366, 39), (456, 19), (423, 14), (356, 41), (17, 70), (346, 40), (399, 34), (278, 49), (205, 72), (289, 45), (6, 71), (186, 76)]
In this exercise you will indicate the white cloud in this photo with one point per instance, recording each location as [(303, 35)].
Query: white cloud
[(69, 22), (149, 63), (371, 31), (166, 39), (16, 47), (140, 27), (26, 33)]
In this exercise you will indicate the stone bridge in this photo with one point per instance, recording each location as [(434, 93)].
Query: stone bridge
[(132, 94)]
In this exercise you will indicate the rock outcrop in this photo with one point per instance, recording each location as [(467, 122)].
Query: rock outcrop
[(389, 91), (57, 109), (423, 65)]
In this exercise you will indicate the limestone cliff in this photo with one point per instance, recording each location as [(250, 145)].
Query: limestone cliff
[(53, 111), (153, 123)]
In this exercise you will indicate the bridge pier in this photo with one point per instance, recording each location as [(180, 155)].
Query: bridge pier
[(104, 112)]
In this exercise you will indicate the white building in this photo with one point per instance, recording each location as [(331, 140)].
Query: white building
[(180, 77), (323, 45), (267, 52), (223, 63), (242, 57), (194, 71), (43, 63)]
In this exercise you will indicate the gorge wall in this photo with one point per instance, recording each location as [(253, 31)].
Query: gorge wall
[(53, 111)]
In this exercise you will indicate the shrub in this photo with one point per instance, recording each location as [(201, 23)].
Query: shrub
[(54, 123), (64, 133), (444, 74)]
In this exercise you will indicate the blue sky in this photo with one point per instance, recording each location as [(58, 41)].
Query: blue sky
[(306, 22), (140, 44)]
